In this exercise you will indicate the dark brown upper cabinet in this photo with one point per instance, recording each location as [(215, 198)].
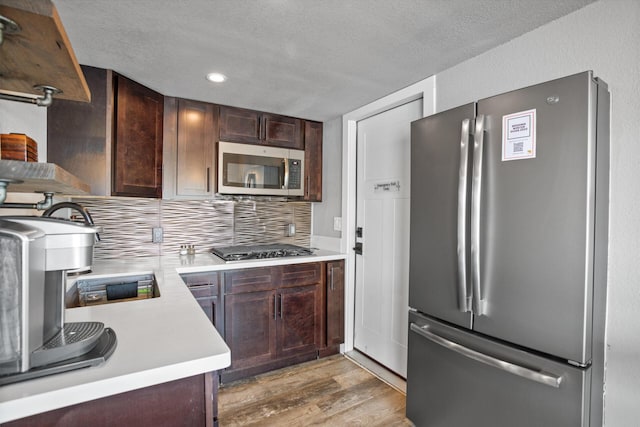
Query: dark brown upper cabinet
[(190, 140), (113, 143), (255, 127), (79, 133), (137, 148), (313, 161)]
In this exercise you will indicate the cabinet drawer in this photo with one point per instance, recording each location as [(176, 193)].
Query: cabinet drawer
[(195, 279), (301, 274), (204, 291), (250, 280)]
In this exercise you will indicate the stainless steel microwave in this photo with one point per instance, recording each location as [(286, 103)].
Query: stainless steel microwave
[(260, 170)]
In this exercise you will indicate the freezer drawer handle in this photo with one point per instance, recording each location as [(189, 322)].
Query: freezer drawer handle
[(464, 300), (476, 187), (538, 376)]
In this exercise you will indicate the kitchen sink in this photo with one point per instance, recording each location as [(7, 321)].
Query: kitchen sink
[(112, 289)]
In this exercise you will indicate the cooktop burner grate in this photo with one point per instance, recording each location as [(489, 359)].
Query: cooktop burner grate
[(244, 252)]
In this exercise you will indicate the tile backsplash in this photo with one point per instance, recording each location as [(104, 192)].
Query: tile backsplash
[(127, 224)]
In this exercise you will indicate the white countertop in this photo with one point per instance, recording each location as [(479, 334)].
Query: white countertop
[(159, 340)]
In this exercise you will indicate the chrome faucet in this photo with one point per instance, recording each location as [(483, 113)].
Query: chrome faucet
[(75, 206)]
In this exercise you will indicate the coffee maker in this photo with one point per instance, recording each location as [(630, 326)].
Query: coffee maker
[(35, 254)]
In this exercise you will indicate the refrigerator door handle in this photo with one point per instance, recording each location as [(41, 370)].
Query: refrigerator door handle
[(512, 368), (464, 299), (476, 187)]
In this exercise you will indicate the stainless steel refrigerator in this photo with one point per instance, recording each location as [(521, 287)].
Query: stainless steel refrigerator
[(508, 260)]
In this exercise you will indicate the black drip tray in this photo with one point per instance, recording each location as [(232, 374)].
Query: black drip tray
[(104, 348), (72, 340)]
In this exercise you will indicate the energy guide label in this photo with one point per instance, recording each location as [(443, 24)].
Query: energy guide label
[(519, 135)]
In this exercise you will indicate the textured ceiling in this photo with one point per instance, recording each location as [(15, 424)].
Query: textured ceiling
[(315, 59)]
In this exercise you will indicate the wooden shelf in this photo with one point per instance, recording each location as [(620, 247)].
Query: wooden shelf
[(40, 177), (40, 54)]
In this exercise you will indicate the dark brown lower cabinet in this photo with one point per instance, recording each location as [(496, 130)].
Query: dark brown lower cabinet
[(191, 401), (269, 329), (271, 317), (250, 328), (206, 290), (298, 323), (335, 303)]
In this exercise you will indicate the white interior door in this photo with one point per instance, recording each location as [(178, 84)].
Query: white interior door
[(382, 270)]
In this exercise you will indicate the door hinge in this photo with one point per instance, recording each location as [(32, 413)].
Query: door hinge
[(359, 232)]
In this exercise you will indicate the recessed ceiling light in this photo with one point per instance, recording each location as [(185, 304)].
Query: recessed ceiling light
[(216, 77)]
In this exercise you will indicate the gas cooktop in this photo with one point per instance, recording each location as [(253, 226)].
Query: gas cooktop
[(244, 252)]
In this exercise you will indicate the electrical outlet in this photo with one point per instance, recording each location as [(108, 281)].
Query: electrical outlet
[(290, 230), (156, 235), (337, 223)]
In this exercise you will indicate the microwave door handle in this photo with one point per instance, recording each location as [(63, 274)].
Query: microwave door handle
[(250, 180), (286, 174), (464, 300)]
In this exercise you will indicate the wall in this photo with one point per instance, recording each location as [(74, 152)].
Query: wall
[(127, 224), (18, 117), (603, 37), (331, 206)]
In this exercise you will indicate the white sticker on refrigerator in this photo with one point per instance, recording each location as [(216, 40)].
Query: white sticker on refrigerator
[(519, 135)]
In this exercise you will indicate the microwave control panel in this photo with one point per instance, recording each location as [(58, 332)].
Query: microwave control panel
[(295, 173)]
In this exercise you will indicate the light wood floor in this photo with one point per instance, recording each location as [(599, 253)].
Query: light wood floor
[(328, 392)]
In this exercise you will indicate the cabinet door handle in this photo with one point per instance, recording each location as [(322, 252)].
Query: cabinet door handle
[(331, 278), (281, 306), (260, 128), (208, 179), (275, 307)]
